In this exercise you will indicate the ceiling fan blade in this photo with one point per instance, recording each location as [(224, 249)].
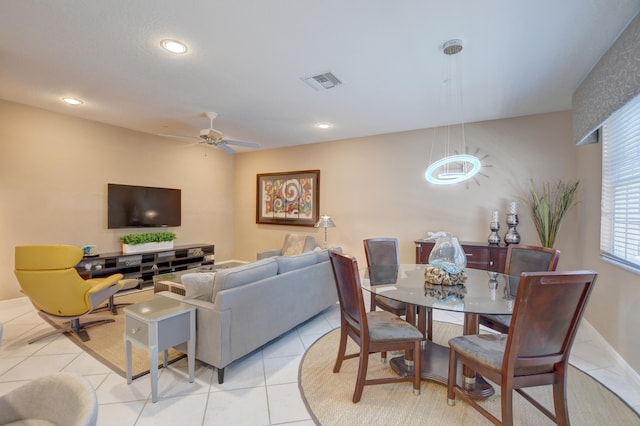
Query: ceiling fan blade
[(225, 148), (242, 143), (178, 137)]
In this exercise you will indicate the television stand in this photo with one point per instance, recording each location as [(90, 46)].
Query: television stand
[(145, 266)]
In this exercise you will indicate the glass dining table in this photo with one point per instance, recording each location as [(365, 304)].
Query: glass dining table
[(483, 292)]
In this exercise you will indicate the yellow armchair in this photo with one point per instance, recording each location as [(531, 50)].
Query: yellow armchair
[(47, 276)]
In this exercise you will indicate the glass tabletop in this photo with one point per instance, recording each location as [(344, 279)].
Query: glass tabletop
[(484, 292)]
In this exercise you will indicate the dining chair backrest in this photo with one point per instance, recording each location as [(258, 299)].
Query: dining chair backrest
[(345, 272), (381, 251), (546, 315), (524, 258)]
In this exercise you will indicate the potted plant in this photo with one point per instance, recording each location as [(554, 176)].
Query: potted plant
[(549, 205), (149, 241)]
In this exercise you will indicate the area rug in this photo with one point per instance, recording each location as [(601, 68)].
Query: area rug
[(106, 342), (327, 395)]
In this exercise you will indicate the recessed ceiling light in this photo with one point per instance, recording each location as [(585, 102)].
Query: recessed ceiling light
[(72, 101), (324, 125), (174, 46)]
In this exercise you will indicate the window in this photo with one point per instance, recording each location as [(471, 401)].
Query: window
[(620, 210)]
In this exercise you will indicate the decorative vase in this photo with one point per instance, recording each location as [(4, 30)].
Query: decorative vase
[(447, 254), (494, 237), (512, 236)]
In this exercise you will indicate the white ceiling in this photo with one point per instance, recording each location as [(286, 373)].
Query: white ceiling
[(246, 59)]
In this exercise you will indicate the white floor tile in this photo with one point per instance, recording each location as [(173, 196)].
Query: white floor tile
[(115, 389), (286, 345), (119, 414), (183, 410), (174, 380), (282, 370), (243, 407), (285, 403), (38, 366)]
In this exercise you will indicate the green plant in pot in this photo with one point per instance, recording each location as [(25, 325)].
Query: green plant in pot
[(148, 237), (549, 205)]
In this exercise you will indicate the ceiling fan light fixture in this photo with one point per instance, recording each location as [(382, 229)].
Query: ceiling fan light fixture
[(174, 46)]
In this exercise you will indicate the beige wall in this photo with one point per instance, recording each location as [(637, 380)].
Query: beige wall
[(375, 186), (54, 171)]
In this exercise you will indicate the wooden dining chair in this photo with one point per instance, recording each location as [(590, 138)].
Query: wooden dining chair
[(548, 309), (384, 251), (373, 331), (520, 258)]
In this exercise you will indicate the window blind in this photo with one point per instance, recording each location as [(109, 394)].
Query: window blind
[(620, 209)]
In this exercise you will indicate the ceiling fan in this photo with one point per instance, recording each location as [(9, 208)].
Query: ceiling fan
[(214, 137)]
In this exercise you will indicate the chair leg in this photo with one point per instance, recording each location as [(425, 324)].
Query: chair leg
[(342, 348), (362, 373), (507, 402), (560, 398)]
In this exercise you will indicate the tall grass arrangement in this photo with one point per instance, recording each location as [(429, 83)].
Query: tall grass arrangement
[(549, 204)]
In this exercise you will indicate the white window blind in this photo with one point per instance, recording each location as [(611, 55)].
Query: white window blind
[(620, 210)]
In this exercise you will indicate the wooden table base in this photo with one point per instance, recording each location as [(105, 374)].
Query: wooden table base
[(435, 368)]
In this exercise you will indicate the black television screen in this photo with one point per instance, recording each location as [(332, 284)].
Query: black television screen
[(142, 206)]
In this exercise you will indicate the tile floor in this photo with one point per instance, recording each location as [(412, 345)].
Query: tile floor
[(265, 380)]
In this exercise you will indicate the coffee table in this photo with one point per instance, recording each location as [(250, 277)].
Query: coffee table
[(157, 325)]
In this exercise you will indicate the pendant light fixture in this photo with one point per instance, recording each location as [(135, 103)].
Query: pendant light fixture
[(458, 167)]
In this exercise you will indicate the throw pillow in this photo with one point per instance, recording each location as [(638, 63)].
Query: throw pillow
[(293, 245), (198, 285)]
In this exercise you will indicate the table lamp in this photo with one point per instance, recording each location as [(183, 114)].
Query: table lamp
[(325, 222)]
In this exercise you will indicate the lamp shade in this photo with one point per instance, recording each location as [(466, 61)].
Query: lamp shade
[(325, 222)]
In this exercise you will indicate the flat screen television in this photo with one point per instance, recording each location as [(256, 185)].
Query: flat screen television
[(133, 206)]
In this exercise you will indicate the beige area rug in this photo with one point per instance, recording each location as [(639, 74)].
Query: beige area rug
[(328, 395), (106, 342)]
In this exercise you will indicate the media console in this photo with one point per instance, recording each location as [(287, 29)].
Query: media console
[(145, 266)]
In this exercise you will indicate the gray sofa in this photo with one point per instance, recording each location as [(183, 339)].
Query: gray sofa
[(240, 309)]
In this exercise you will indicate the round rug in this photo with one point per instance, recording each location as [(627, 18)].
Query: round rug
[(327, 395)]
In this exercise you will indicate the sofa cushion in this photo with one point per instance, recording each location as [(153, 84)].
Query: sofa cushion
[(198, 285), (289, 263), (240, 275)]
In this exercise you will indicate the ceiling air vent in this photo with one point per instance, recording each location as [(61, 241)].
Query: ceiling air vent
[(322, 81)]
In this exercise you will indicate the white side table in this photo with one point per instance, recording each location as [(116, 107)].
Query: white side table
[(157, 325)]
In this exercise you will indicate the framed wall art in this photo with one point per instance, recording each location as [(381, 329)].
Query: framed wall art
[(288, 198)]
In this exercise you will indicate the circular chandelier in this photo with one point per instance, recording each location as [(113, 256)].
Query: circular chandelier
[(457, 168)]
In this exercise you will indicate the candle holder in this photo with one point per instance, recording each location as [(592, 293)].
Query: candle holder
[(512, 236), (494, 237)]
